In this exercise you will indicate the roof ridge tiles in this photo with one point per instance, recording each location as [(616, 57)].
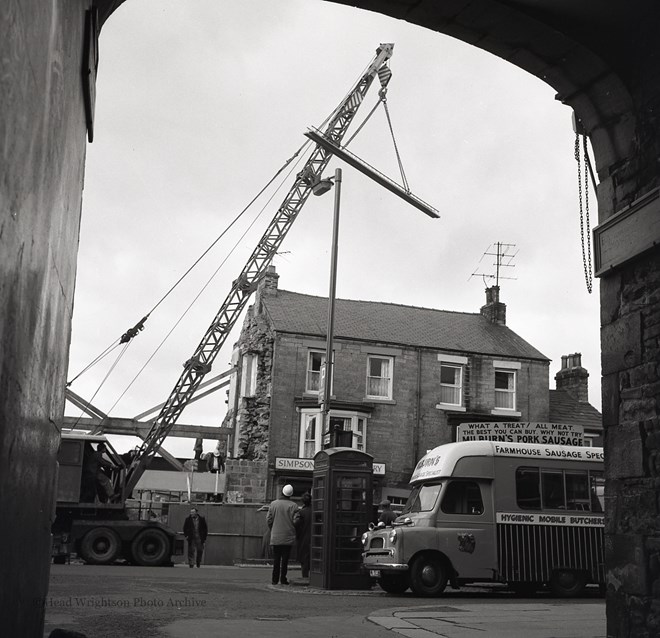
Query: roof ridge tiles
[(383, 303)]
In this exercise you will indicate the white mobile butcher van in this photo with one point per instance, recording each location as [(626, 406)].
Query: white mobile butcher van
[(527, 515)]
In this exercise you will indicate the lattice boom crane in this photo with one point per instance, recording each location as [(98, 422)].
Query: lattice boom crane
[(200, 363)]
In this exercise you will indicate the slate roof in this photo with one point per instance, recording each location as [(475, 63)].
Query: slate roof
[(564, 408), (388, 323)]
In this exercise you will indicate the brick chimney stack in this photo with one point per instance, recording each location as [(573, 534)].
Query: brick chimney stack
[(268, 283), (573, 378), (494, 310)]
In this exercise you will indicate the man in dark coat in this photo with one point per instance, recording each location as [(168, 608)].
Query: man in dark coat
[(195, 530)]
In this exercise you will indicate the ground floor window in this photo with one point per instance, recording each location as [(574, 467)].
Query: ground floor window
[(313, 433)]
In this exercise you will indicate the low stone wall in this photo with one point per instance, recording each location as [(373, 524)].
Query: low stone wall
[(245, 481)]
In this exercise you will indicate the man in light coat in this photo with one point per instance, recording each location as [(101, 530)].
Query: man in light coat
[(281, 519)]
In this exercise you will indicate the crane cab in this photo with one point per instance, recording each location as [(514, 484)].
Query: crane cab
[(75, 483)]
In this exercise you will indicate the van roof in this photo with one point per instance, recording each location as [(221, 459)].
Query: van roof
[(441, 461)]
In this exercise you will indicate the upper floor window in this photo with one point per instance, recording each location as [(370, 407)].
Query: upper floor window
[(451, 380), (451, 384), (315, 377), (315, 361), (379, 377), (505, 389), (505, 384)]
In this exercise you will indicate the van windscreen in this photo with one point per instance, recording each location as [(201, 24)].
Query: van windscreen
[(423, 498)]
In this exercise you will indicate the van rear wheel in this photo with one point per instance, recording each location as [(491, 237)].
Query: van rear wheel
[(428, 575), (567, 583)]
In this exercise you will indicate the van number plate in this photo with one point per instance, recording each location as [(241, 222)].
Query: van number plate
[(374, 573)]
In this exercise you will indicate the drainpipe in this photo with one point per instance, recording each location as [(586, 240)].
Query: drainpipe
[(417, 409)]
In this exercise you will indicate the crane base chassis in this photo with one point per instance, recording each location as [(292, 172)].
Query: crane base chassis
[(102, 535)]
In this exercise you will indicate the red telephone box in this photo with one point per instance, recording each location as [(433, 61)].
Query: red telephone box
[(342, 494)]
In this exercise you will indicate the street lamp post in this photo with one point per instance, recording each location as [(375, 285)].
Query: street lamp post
[(327, 370)]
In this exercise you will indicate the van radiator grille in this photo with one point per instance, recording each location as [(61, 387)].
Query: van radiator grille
[(529, 553)]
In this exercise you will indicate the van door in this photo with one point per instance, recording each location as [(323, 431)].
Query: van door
[(466, 518)]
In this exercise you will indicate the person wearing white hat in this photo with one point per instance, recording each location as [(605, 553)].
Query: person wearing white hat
[(281, 519)]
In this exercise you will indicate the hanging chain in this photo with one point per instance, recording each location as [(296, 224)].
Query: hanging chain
[(588, 269), (584, 211)]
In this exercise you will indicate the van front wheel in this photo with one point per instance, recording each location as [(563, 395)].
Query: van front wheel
[(428, 575)]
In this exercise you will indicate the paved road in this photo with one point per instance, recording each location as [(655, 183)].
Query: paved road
[(222, 602)]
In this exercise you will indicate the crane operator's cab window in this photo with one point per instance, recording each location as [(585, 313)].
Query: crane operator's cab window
[(540, 488)]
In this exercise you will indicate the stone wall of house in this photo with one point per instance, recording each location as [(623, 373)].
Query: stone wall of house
[(399, 431), (246, 481), (253, 412)]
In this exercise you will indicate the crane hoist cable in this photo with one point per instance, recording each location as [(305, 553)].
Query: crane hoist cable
[(396, 148), (109, 372), (384, 74)]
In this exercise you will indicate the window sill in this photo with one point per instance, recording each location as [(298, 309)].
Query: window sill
[(450, 407), (378, 400), (503, 412)]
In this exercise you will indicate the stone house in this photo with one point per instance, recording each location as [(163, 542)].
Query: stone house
[(403, 379)]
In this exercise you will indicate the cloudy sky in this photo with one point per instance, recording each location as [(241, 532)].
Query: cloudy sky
[(200, 103)]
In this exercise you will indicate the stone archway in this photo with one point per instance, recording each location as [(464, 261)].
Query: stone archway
[(601, 60)]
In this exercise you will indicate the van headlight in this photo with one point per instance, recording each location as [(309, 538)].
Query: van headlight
[(364, 538), (394, 534)]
